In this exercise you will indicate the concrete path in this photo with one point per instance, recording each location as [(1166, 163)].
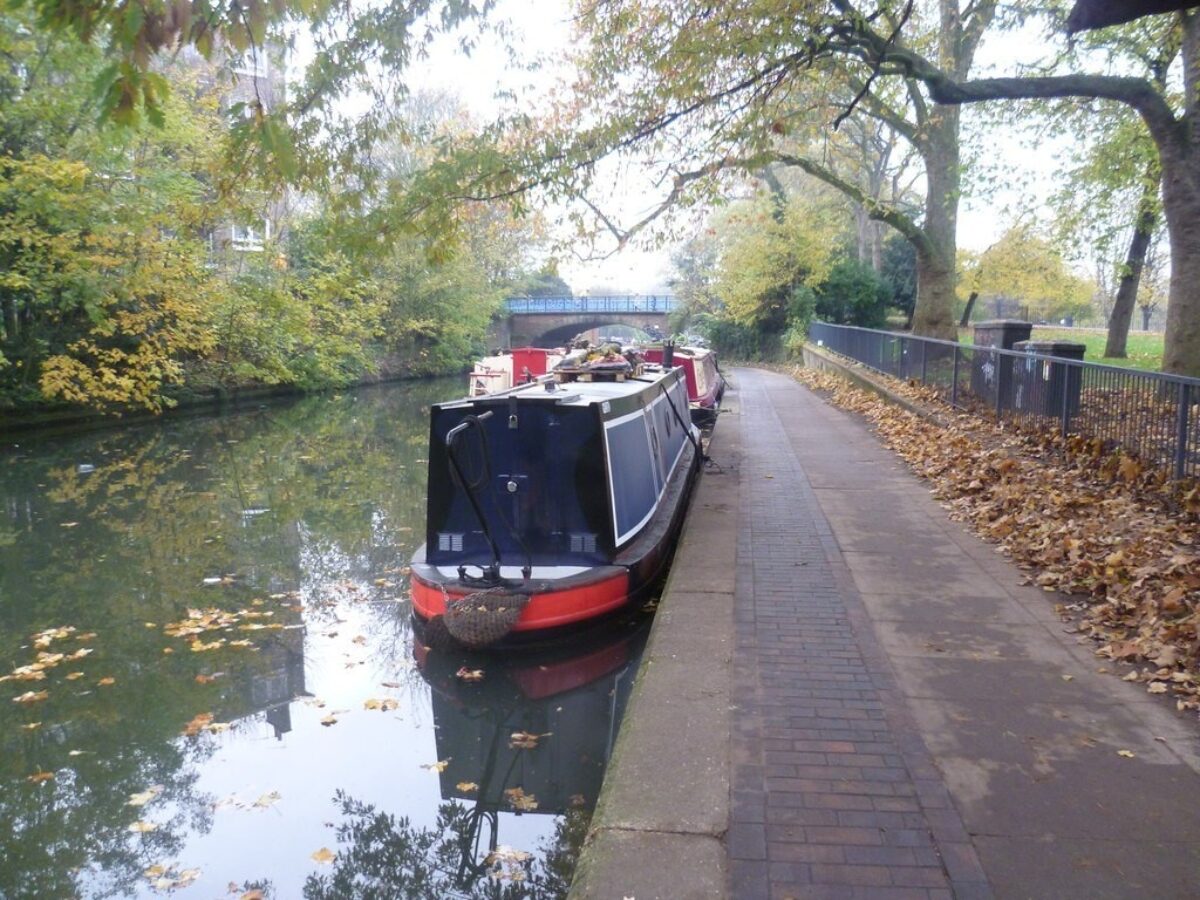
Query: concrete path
[(908, 720)]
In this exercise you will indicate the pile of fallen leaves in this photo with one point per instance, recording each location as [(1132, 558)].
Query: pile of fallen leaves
[(1081, 518)]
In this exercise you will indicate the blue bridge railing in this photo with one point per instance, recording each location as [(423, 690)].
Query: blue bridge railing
[(633, 303)]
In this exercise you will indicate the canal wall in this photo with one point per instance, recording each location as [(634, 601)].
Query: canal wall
[(659, 826)]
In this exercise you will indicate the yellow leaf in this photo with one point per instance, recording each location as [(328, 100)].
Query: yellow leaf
[(520, 800), (31, 697), (439, 766), (32, 726), (324, 856), (73, 676), (106, 681), (467, 787), (1157, 688), (39, 777), (1128, 754), (198, 724), (329, 720), (524, 740), (267, 799), (466, 674), (144, 797), (384, 705)]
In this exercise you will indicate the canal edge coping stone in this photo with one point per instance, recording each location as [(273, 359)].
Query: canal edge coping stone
[(658, 832)]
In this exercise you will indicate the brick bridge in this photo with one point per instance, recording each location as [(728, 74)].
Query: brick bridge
[(552, 321)]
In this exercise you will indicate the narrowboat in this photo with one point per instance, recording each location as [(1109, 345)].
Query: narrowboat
[(505, 370), (553, 503), (705, 383)]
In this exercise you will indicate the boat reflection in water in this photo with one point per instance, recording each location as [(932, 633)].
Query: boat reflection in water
[(532, 737)]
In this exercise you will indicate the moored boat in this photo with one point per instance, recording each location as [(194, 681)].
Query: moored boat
[(705, 383), (505, 370), (553, 503)]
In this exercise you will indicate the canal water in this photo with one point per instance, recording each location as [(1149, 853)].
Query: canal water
[(210, 685)]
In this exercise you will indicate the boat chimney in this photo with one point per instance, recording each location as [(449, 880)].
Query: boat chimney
[(668, 354)]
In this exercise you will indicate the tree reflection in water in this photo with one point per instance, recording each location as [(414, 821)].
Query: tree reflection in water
[(313, 508), (573, 697), (386, 857)]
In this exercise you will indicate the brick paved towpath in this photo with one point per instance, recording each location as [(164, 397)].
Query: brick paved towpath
[(909, 720), (847, 695)]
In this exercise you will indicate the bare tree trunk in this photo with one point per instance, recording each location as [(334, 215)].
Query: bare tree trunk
[(934, 313), (966, 316), (1135, 260), (8, 318), (1181, 203)]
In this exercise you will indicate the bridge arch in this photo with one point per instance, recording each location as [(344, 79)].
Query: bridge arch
[(552, 321), (557, 336)]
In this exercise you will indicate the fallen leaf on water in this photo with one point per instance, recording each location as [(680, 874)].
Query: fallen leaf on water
[(467, 787), (80, 653), (268, 799), (32, 726), (31, 697), (525, 740), (1068, 678), (383, 705), (166, 878), (106, 681), (519, 800), (67, 524), (439, 766), (324, 856), (507, 864), (73, 676), (1157, 688), (39, 777), (45, 638), (466, 674), (198, 724), (144, 797), (1128, 754), (205, 679), (168, 649), (142, 827)]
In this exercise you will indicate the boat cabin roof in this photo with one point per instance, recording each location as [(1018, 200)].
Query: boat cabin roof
[(571, 393)]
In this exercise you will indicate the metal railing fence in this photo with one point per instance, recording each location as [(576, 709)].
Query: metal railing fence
[(636, 303), (1150, 414)]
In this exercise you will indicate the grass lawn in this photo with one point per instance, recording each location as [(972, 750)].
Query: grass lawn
[(1145, 349)]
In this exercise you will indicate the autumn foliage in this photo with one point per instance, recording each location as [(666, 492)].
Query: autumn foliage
[(1121, 541)]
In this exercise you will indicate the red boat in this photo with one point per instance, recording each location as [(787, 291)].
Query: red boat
[(506, 370), (705, 384)]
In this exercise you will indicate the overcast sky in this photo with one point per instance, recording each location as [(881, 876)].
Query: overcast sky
[(541, 29)]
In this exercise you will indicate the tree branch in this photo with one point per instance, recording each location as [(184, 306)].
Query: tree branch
[(1135, 92), (875, 210)]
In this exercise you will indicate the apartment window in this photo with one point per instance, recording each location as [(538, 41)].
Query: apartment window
[(254, 64), (251, 237)]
